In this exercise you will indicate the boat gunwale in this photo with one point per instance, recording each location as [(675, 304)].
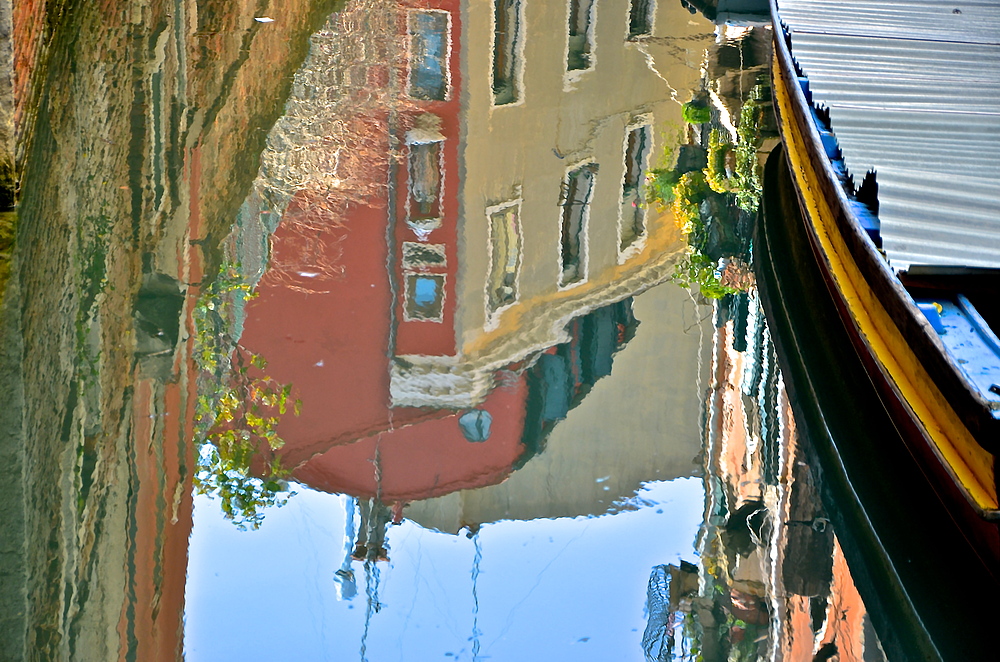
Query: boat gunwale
[(976, 412), (886, 288)]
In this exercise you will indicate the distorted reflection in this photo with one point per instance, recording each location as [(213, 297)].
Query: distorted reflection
[(398, 268)]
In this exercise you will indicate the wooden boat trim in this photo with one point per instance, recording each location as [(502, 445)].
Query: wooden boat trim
[(976, 411), (873, 326)]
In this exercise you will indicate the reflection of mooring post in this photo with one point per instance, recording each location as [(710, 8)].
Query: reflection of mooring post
[(371, 548), (345, 584), (375, 517)]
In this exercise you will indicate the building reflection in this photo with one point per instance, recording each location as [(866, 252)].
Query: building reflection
[(484, 279), (771, 579)]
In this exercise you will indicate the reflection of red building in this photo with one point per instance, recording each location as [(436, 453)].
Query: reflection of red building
[(396, 297), (425, 459), (386, 358)]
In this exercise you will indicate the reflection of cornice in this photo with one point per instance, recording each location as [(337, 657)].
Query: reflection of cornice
[(528, 327), (437, 381)]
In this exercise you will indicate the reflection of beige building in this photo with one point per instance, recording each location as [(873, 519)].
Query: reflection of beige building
[(614, 440), (560, 121)]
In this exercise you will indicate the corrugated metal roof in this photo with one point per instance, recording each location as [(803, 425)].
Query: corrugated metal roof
[(914, 93)]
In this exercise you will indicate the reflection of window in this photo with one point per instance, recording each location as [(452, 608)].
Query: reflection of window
[(425, 297), (428, 55), (505, 257), (506, 43), (581, 18), (417, 256), (577, 188), (633, 211), (425, 179), (640, 18)]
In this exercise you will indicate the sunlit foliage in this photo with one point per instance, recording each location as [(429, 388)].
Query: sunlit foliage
[(732, 172), (238, 410), (697, 112)]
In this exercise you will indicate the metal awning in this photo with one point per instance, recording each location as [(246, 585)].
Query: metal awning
[(914, 93)]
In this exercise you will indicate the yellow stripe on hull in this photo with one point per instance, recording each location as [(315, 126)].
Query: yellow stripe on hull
[(968, 462)]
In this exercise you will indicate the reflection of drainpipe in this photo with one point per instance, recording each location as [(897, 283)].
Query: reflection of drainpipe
[(390, 230)]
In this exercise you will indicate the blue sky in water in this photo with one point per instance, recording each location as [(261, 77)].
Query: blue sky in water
[(564, 589)]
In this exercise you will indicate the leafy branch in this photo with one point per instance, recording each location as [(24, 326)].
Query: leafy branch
[(238, 410)]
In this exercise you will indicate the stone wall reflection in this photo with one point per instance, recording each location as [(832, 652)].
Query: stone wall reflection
[(138, 130)]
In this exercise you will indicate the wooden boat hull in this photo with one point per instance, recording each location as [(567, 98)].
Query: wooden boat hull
[(950, 432), (921, 577)]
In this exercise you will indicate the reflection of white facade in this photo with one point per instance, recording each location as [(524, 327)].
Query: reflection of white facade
[(563, 148)]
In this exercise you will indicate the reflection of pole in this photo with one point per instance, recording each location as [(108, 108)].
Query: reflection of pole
[(343, 578), (476, 560), (373, 606)]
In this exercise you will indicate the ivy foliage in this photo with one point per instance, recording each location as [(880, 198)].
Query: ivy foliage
[(747, 180), (238, 410), (717, 173)]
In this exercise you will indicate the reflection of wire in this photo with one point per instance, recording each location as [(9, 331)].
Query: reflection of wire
[(476, 560), (374, 606)]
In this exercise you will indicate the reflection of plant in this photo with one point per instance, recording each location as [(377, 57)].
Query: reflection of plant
[(238, 409), (691, 190), (660, 183), (697, 112), (747, 176), (699, 270), (716, 173)]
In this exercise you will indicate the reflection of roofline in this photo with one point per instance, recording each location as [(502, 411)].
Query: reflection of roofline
[(429, 381)]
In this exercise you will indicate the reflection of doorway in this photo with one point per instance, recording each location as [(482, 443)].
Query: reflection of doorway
[(577, 190), (581, 20), (506, 43), (633, 213)]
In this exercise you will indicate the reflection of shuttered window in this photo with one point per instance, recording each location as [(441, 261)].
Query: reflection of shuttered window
[(425, 179), (633, 211), (428, 55), (506, 38), (640, 18), (577, 189), (581, 16), (505, 247)]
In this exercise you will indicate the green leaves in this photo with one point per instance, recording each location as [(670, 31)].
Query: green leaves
[(698, 270), (237, 412), (696, 112)]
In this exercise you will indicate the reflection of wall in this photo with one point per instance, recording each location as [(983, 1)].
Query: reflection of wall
[(784, 558), (523, 153), (166, 105), (639, 423)]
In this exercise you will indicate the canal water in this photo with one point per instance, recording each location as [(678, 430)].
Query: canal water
[(418, 330)]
